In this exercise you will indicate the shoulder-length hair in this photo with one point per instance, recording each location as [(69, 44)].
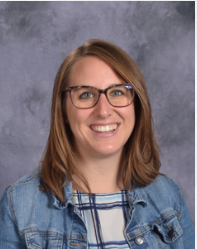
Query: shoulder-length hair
[(140, 158)]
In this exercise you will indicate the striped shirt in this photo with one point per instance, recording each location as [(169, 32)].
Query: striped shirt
[(105, 216)]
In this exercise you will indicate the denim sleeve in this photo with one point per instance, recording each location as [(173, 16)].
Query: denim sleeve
[(187, 226), (9, 234)]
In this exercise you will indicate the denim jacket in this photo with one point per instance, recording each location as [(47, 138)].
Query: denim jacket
[(30, 218)]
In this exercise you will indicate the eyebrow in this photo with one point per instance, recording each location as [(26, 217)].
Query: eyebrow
[(110, 85)]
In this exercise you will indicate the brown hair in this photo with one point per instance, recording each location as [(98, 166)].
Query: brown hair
[(140, 159)]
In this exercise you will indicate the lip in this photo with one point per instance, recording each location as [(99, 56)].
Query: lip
[(107, 133)]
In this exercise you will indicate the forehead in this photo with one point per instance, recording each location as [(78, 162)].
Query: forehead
[(93, 71)]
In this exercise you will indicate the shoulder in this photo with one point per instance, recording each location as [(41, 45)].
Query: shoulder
[(163, 184), (161, 193), (164, 193), (33, 178), (160, 199), (21, 194), (24, 190)]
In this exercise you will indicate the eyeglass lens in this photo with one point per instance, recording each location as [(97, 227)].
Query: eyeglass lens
[(87, 97)]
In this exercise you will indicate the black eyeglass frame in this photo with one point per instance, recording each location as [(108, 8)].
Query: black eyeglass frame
[(100, 91)]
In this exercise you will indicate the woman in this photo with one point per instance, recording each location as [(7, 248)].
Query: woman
[(99, 184)]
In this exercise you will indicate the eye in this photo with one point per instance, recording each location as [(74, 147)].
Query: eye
[(117, 93), (86, 95)]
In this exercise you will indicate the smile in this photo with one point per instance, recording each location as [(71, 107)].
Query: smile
[(104, 128)]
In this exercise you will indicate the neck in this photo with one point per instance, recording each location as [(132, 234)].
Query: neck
[(101, 174)]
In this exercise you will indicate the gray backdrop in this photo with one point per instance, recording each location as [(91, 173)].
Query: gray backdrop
[(36, 36)]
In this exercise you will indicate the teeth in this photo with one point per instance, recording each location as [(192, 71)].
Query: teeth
[(104, 128)]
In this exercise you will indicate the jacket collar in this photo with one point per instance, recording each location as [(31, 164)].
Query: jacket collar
[(136, 195), (68, 196)]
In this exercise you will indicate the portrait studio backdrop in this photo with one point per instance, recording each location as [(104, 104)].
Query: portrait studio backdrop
[(35, 37)]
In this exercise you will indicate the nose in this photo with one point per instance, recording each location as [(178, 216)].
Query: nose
[(103, 108)]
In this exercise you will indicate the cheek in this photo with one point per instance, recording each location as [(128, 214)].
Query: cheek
[(130, 115), (133, 116), (77, 118), (71, 112), (130, 124)]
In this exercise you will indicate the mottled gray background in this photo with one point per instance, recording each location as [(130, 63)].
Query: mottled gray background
[(36, 36)]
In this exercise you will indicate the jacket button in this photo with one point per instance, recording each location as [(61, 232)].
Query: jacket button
[(139, 240)]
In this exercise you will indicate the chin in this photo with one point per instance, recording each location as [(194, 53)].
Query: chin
[(106, 152)]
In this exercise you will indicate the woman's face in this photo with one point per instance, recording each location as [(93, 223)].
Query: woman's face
[(102, 130)]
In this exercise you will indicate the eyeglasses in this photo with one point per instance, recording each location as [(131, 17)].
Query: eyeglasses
[(85, 97)]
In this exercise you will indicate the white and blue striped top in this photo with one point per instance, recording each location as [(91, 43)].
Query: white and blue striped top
[(105, 216)]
